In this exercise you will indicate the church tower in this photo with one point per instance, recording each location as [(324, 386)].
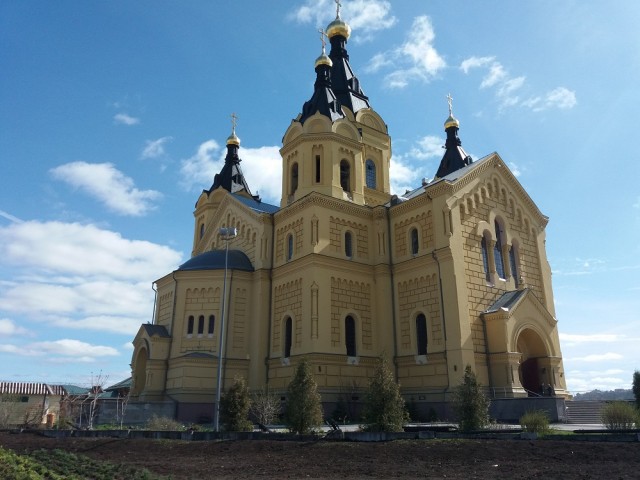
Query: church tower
[(338, 146)]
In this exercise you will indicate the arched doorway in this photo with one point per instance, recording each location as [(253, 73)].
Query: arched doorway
[(532, 348), (140, 372)]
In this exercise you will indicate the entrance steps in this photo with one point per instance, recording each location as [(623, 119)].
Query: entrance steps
[(587, 412)]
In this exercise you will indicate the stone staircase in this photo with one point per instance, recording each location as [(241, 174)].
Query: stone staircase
[(587, 412)]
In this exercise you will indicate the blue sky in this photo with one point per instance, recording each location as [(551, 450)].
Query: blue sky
[(114, 115)]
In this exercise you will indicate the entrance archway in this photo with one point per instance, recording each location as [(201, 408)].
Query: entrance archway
[(140, 372), (532, 348)]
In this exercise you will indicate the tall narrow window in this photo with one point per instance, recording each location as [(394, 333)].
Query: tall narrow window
[(190, 325), (415, 245), (211, 326), (201, 230), (289, 247), (200, 324), (318, 169), (288, 334), (514, 266), (348, 245), (294, 178), (345, 176), (370, 173), (350, 335), (421, 334), (485, 258), (497, 251)]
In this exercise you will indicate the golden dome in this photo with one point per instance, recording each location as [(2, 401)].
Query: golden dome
[(233, 139), (451, 122), (323, 60), (338, 27)]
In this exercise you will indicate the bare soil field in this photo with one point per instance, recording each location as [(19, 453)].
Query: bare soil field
[(451, 459)]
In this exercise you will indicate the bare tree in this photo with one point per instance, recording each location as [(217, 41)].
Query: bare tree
[(265, 406), (122, 401), (97, 385)]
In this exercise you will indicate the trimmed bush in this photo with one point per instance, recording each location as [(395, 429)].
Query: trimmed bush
[(384, 410), (470, 403), (304, 408), (234, 407), (536, 421), (619, 416)]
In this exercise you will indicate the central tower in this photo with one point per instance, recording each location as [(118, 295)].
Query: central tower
[(338, 146)]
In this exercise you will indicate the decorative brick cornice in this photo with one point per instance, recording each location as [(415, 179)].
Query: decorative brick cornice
[(330, 203)]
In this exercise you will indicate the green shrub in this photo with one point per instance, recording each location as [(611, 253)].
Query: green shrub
[(234, 407), (163, 423), (536, 421), (304, 409), (636, 388), (470, 403), (384, 409), (619, 415)]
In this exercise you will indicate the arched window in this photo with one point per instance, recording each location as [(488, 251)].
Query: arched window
[(294, 178), (318, 169), (370, 173), (497, 250), (415, 245), (288, 337), (345, 176), (485, 258), (190, 325), (289, 247), (348, 245), (421, 334), (350, 335), (513, 261), (200, 324), (211, 326), (201, 230)]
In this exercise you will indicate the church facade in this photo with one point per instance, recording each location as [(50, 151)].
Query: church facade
[(453, 273)]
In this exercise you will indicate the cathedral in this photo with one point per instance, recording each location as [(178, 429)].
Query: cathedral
[(453, 273)]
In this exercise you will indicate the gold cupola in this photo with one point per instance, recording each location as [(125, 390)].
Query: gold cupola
[(233, 138), (338, 27), (451, 121)]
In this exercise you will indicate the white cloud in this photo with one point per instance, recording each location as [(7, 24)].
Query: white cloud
[(73, 349), (515, 169), (155, 148), (124, 119), (8, 328), (427, 147), (415, 59), (475, 62), (86, 278), (506, 87), (10, 217), (261, 166), (597, 357), (108, 185), (560, 97), (578, 338), (365, 17)]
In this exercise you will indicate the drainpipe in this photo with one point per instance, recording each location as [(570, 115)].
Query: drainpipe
[(155, 300), (393, 295), (486, 354), (444, 322), (273, 253)]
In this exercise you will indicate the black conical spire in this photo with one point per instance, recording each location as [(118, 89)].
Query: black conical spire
[(344, 82), (323, 100), (231, 177), (454, 157)]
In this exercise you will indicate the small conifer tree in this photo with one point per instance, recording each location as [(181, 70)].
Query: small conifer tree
[(636, 387), (384, 409), (470, 403), (234, 407), (304, 409)]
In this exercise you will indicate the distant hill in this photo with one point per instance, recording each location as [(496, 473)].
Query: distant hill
[(617, 394)]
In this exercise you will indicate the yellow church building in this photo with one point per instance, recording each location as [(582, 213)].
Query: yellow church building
[(453, 273)]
